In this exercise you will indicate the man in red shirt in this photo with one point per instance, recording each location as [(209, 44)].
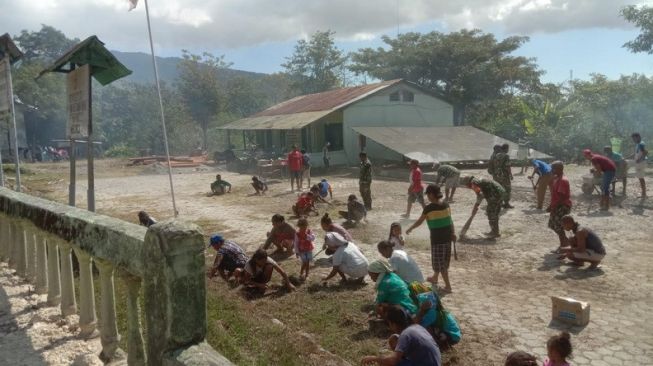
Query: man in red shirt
[(560, 201), (295, 162), (608, 169), (415, 190)]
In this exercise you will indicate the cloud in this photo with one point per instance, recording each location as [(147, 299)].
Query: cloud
[(229, 24)]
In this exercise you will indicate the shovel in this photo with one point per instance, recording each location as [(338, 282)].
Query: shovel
[(467, 225)]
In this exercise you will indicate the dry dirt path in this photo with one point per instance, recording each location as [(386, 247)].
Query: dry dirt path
[(502, 288)]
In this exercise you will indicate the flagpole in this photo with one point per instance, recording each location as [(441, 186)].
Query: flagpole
[(163, 119), (13, 114)]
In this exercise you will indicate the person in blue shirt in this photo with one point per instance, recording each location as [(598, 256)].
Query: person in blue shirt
[(325, 189), (622, 168), (545, 175)]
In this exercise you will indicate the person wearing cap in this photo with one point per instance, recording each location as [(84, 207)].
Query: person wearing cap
[(544, 177), (347, 259), (257, 272), (560, 202), (390, 288), (356, 210), (219, 186), (282, 234), (295, 163), (449, 176), (493, 193), (229, 257), (622, 168), (438, 218), (607, 169), (145, 219), (415, 188), (640, 156), (402, 264), (365, 180)]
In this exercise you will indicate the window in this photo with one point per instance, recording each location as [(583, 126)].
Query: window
[(407, 96), (333, 134), (394, 97)]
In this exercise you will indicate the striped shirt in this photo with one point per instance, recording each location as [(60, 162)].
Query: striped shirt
[(438, 215)]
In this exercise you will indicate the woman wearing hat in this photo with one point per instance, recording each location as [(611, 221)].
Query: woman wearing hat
[(390, 288), (347, 260), (437, 215), (229, 257)]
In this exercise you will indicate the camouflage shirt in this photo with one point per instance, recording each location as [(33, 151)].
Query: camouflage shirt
[(489, 188), (502, 165), (365, 176), (445, 172)]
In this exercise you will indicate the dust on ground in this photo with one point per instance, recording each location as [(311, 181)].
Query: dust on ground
[(501, 288)]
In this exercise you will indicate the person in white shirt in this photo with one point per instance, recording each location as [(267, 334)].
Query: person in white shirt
[(402, 264), (347, 259)]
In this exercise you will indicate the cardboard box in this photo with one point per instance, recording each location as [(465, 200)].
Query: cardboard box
[(570, 311)]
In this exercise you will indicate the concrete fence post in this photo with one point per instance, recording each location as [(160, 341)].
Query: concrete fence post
[(68, 303), (41, 264), (174, 288)]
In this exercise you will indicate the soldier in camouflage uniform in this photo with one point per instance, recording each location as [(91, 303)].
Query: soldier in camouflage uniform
[(493, 193), (503, 173), (365, 180), (491, 163)]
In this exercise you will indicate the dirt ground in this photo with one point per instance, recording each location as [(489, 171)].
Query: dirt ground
[(502, 288)]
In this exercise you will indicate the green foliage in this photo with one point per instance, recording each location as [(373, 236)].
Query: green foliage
[(47, 45), (466, 67), (121, 150), (316, 65), (642, 17), (199, 87)]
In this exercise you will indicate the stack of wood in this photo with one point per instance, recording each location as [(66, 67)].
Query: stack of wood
[(175, 161)]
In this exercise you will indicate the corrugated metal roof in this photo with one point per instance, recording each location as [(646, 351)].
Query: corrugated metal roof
[(444, 144), (325, 101), (276, 122)]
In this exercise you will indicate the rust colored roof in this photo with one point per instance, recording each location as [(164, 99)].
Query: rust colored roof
[(325, 101)]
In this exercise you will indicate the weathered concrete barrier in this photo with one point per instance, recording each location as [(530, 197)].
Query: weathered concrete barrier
[(37, 238)]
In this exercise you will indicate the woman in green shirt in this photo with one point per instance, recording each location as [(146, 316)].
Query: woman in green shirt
[(390, 288)]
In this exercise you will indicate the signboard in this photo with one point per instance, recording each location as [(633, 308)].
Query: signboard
[(5, 102), (79, 84)]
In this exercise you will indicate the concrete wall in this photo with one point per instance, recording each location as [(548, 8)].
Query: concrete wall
[(379, 111)]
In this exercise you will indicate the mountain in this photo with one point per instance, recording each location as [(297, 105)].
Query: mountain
[(141, 65)]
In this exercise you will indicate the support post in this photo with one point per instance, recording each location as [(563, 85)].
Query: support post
[(31, 252), (87, 319), (109, 336), (90, 193), (54, 284), (68, 304), (73, 175), (21, 250), (135, 350), (41, 264)]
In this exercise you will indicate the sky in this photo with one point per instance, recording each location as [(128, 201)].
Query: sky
[(585, 36)]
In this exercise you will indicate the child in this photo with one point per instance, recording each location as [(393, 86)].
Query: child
[(305, 205), (259, 186), (303, 244), (395, 236), (520, 358), (558, 349), (219, 187)]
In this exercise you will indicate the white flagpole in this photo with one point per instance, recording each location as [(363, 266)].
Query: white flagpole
[(163, 119), (13, 114)]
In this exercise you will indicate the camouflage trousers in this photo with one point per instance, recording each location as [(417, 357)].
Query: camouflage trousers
[(507, 186), (493, 208)]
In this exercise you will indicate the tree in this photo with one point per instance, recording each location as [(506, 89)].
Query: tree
[(466, 67), (199, 87), (46, 45), (316, 65), (642, 17)]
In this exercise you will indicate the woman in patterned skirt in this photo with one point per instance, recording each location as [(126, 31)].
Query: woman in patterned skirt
[(438, 218)]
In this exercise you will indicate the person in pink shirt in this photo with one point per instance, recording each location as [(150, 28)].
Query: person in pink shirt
[(608, 169), (295, 163), (415, 189), (558, 350), (560, 201)]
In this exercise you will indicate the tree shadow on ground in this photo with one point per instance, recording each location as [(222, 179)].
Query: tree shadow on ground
[(573, 329), (596, 214), (532, 211), (476, 241), (579, 273)]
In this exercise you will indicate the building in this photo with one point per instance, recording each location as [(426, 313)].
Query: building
[(391, 120)]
